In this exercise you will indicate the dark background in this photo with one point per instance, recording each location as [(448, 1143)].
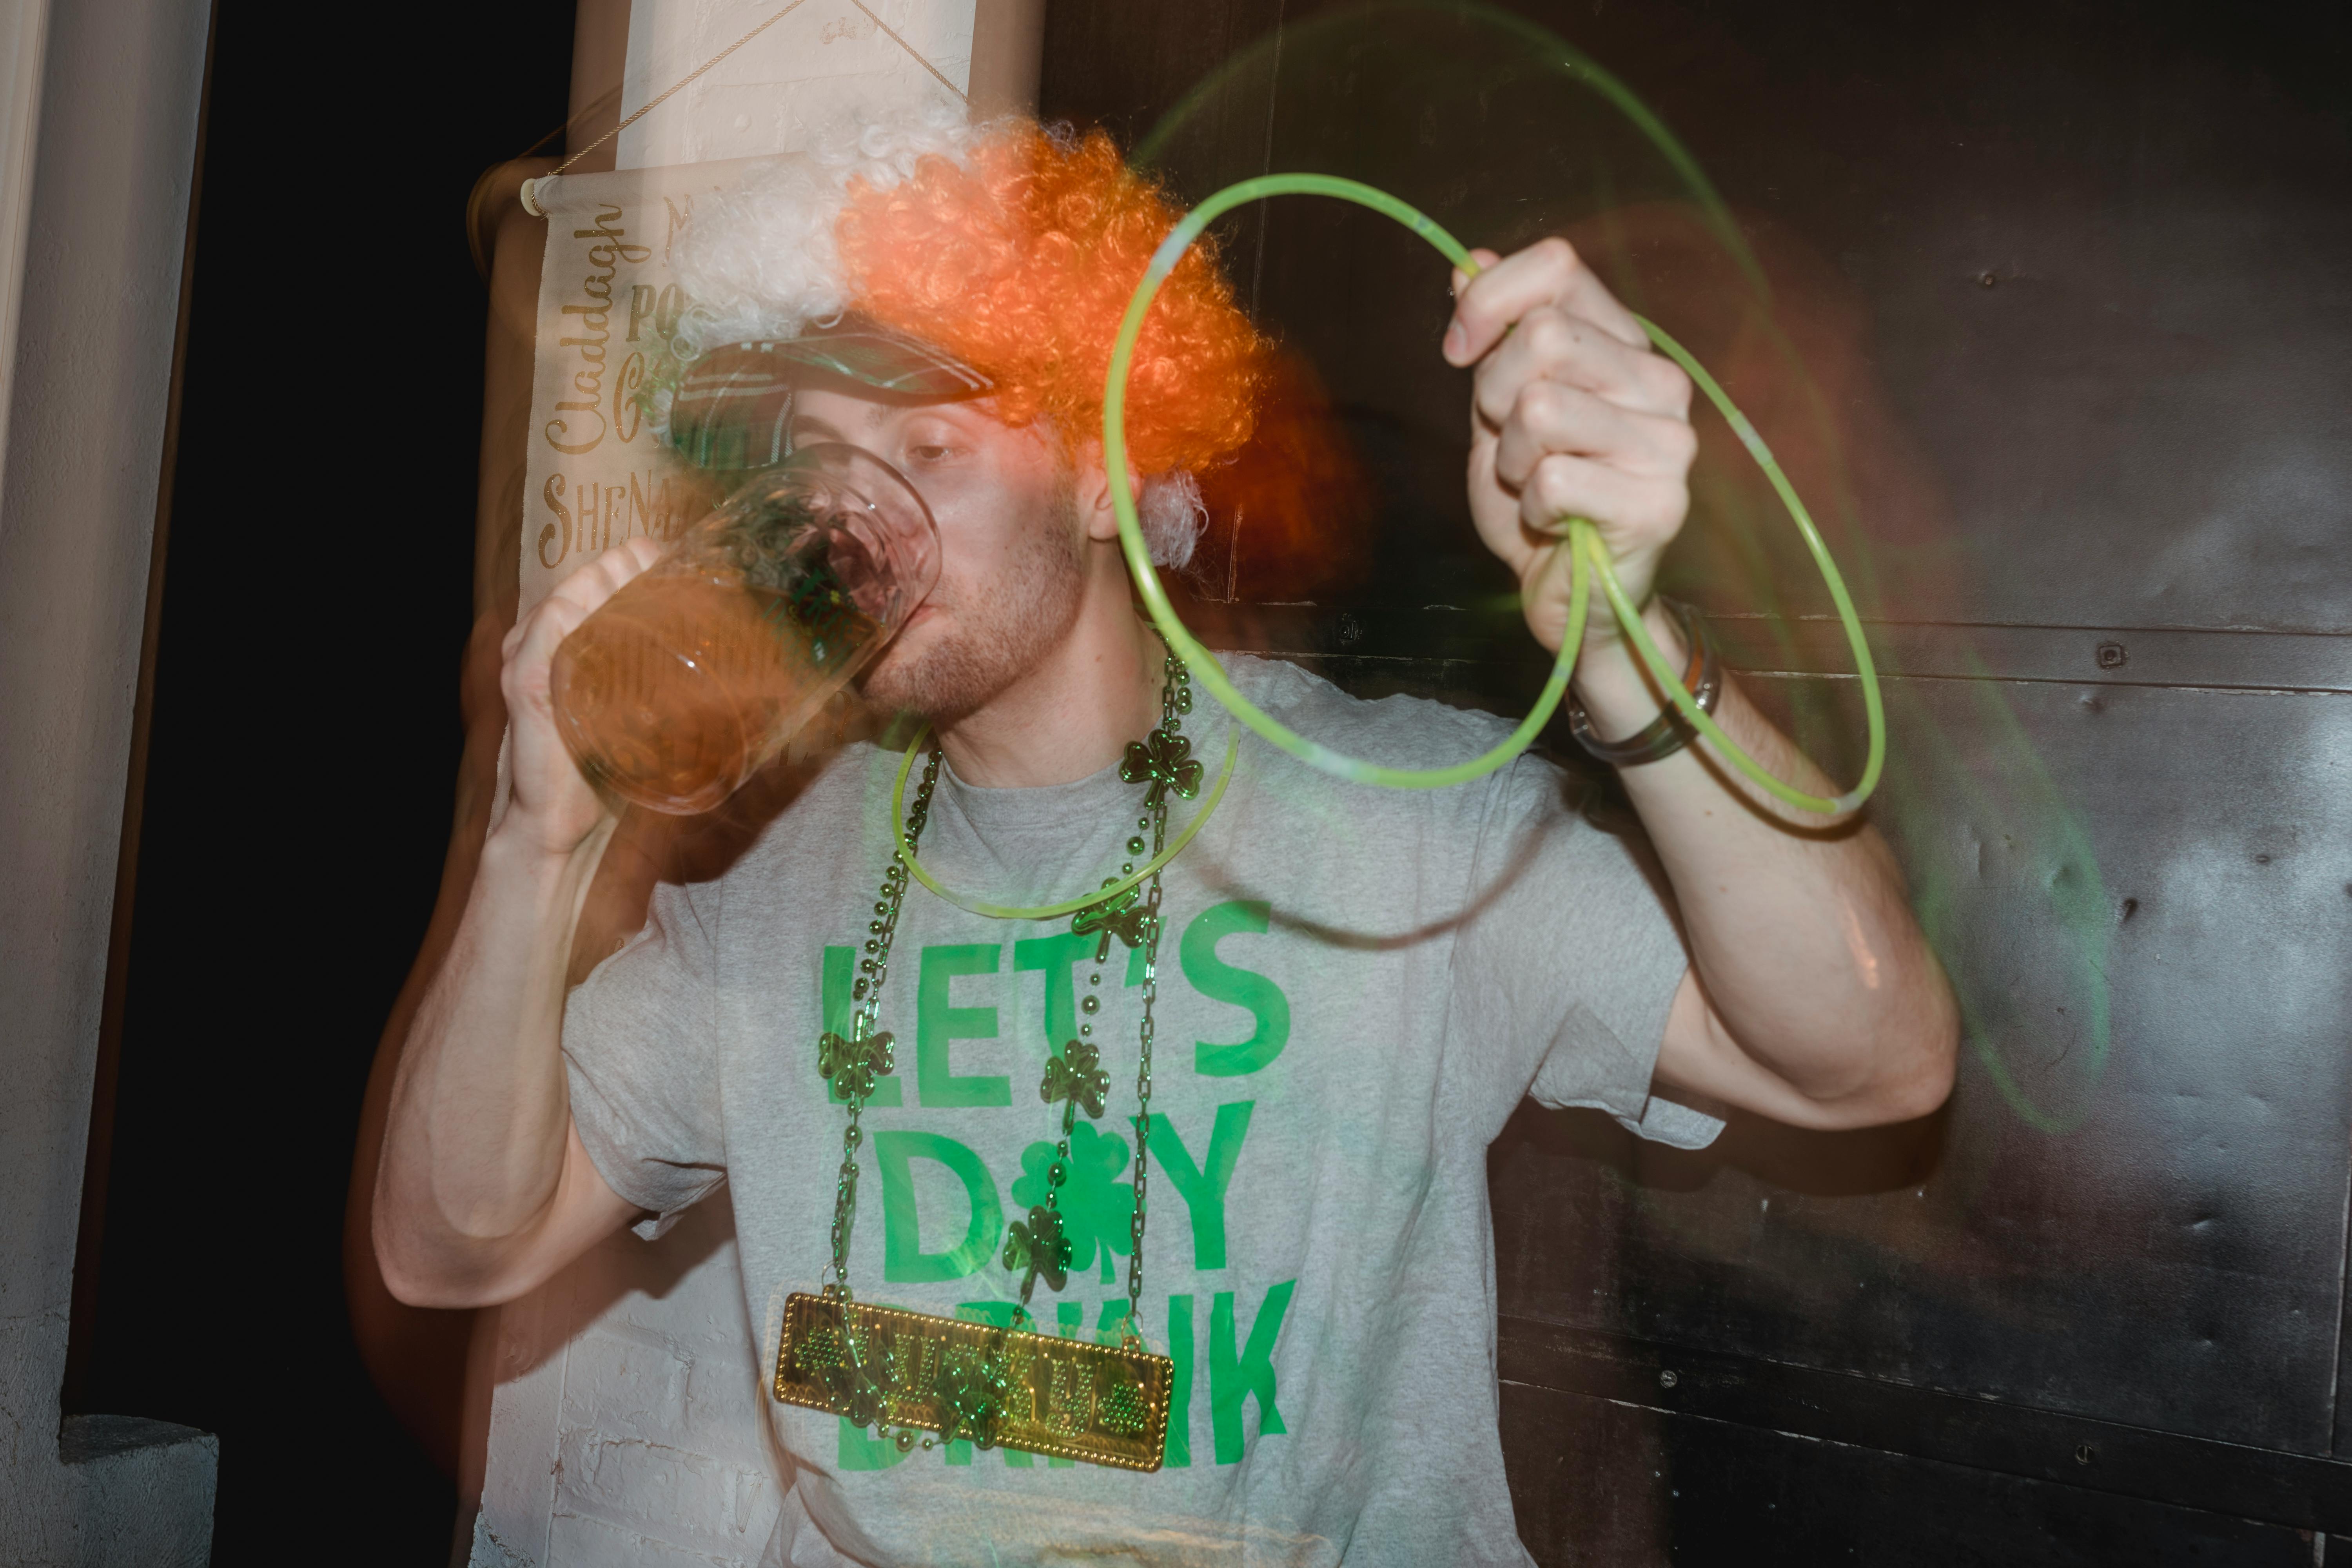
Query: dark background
[(2063, 327), (304, 741)]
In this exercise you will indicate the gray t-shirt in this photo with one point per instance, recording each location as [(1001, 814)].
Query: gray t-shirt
[(1356, 986)]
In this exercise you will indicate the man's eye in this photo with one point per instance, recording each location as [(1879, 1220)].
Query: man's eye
[(925, 452)]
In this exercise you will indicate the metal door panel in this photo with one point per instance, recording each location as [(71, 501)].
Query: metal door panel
[(1603, 1484), (2163, 386), (2154, 1238)]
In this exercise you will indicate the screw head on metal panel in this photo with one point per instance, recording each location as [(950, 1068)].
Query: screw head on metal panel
[(2086, 1454), (2111, 656), (1668, 1379)]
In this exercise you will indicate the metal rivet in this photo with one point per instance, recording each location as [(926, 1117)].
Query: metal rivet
[(1668, 1379), (2086, 1454), (2111, 656)]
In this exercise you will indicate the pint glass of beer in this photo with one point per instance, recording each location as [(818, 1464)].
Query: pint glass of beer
[(695, 674)]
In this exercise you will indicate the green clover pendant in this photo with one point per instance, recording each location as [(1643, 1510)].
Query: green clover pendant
[(1076, 1074), (1037, 1246), (971, 1390), (853, 1065), (1166, 758)]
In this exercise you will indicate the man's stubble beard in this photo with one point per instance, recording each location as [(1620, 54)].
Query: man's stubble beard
[(1004, 625)]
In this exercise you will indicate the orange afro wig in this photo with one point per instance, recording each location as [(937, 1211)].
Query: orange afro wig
[(1021, 259)]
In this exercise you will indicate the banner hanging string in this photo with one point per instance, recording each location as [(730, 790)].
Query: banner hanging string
[(530, 187), (915, 52)]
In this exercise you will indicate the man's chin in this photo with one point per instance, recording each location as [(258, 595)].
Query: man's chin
[(883, 684), (918, 676), (908, 648)]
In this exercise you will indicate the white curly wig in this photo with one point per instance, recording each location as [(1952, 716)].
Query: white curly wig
[(760, 262)]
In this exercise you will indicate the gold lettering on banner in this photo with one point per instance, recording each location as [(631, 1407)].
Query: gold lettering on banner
[(600, 474), (658, 511), (1065, 1398), (594, 321), (552, 492), (626, 414), (558, 427), (650, 505)]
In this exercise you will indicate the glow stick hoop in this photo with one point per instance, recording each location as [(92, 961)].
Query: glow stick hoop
[(1588, 557)]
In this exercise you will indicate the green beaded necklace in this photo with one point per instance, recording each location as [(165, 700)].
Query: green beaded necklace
[(911, 1375)]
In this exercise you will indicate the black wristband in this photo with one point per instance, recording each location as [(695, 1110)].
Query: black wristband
[(1669, 732)]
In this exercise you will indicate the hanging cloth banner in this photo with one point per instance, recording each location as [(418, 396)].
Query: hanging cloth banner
[(597, 474)]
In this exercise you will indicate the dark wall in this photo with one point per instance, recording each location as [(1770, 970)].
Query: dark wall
[(304, 738), (2047, 309)]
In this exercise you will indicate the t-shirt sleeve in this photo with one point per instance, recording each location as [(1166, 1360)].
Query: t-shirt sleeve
[(640, 1047), (1570, 959)]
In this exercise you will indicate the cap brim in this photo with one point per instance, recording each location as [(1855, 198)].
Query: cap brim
[(886, 361), (733, 405)]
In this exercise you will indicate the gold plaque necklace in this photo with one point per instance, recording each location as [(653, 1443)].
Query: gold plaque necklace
[(919, 1377)]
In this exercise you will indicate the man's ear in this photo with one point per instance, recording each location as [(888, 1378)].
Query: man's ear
[(1093, 498)]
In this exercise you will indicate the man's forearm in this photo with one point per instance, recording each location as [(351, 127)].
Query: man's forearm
[(475, 1145), (1799, 928)]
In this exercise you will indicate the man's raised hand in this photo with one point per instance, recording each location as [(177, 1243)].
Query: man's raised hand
[(552, 807), (1571, 415)]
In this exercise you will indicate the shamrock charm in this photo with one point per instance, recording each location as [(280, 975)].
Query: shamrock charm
[(856, 1392), (1120, 916), (970, 1389), (853, 1065), (1166, 761), (1076, 1076), (1094, 1209), (1038, 1247)]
